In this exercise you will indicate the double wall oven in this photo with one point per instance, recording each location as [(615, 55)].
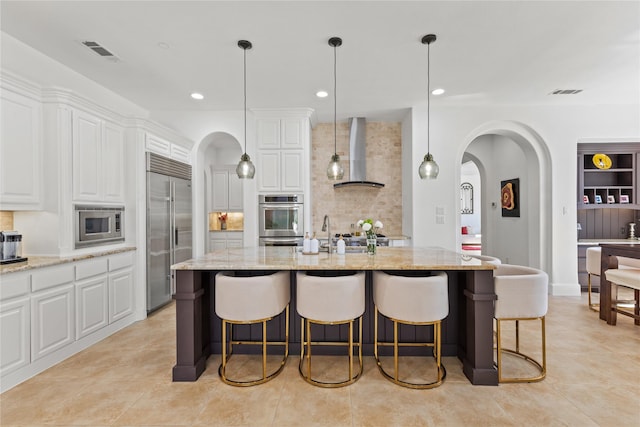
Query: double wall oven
[(281, 217)]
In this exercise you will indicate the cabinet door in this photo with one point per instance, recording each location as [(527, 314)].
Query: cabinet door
[(268, 133), (236, 242), (14, 335), (292, 133), (87, 153), (269, 171), (113, 163), (180, 154), (92, 305), (52, 320), (20, 152), (292, 170), (220, 190), (236, 202), (120, 294)]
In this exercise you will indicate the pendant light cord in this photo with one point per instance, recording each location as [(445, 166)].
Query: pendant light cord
[(245, 100), (335, 102), (428, 98)]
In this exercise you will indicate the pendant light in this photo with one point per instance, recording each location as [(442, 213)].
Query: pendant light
[(428, 168), (335, 171), (245, 168)]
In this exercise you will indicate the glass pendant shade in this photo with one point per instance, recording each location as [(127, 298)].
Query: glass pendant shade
[(335, 170), (245, 168), (428, 168)]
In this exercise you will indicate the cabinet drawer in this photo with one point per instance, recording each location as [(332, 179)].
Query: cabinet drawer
[(52, 276), (90, 268), (14, 284), (116, 262)]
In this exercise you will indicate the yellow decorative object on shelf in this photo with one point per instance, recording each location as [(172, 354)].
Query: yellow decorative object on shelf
[(601, 161)]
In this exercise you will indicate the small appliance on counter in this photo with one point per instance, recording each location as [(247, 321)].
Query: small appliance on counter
[(11, 247)]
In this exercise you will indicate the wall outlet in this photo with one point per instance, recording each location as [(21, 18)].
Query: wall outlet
[(622, 231)]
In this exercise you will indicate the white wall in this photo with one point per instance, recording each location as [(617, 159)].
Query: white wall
[(560, 127)]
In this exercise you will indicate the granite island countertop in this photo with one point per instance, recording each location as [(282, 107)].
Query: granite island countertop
[(289, 258), (48, 261)]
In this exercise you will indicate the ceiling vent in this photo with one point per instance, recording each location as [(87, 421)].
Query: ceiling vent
[(565, 91), (95, 46)]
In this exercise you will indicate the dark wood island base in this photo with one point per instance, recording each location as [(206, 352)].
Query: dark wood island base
[(467, 331)]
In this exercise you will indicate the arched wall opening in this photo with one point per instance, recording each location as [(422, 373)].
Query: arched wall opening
[(215, 149), (519, 141)]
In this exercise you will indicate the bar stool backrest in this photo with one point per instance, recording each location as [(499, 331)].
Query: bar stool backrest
[(522, 292)]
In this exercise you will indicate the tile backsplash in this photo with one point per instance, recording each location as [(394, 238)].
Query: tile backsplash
[(345, 206), (6, 220)]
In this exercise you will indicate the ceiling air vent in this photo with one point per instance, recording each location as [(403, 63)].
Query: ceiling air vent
[(565, 91), (95, 46)]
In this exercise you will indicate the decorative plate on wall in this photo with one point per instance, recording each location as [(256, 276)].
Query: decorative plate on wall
[(601, 161)]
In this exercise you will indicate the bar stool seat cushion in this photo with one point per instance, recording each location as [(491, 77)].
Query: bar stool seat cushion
[(522, 292), (628, 277), (411, 299), (243, 299), (330, 298)]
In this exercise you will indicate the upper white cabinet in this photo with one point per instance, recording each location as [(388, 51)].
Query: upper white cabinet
[(20, 152), (167, 149), (286, 133), (98, 159), (226, 190), (283, 139)]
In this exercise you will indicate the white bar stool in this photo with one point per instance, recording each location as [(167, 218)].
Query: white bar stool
[(628, 278), (593, 269), (330, 300), (411, 301), (487, 258), (242, 300), (522, 294)]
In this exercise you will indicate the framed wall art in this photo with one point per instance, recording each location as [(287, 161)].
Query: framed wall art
[(510, 195)]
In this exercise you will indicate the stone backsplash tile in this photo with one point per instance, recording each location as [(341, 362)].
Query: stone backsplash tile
[(345, 206), (6, 220)]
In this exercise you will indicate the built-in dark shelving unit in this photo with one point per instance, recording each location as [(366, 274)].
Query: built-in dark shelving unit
[(616, 187)]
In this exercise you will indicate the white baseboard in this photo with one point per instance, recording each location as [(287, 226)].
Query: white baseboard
[(564, 289)]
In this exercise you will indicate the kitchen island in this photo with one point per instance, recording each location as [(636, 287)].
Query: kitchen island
[(467, 331)]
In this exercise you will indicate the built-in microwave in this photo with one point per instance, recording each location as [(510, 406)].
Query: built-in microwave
[(98, 225)]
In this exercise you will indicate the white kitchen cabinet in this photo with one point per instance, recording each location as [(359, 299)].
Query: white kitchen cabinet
[(226, 191), (281, 171), (14, 335), (282, 133), (225, 240), (52, 320), (92, 305), (92, 297), (167, 149), (121, 286), (20, 152), (98, 159)]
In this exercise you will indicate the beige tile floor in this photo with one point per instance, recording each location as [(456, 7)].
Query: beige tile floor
[(593, 380)]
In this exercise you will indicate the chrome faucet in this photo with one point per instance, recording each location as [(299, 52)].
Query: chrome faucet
[(326, 226)]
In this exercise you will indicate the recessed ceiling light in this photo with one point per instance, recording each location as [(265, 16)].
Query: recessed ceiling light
[(163, 45), (196, 95), (438, 91), (322, 94)]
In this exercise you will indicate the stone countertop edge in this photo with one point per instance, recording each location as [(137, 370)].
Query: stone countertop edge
[(36, 261), (284, 258), (598, 241)]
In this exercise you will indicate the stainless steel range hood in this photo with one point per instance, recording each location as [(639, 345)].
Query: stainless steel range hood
[(358, 156)]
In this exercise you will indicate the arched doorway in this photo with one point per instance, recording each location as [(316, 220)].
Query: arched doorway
[(525, 239), (215, 150)]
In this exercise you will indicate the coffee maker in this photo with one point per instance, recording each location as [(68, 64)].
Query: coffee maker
[(10, 247)]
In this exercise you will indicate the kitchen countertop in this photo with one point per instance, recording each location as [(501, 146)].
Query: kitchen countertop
[(48, 261), (288, 258), (598, 241)]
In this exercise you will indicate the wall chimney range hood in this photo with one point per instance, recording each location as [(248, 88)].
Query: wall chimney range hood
[(358, 156)]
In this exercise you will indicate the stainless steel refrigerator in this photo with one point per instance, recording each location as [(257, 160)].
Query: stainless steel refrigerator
[(169, 225)]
